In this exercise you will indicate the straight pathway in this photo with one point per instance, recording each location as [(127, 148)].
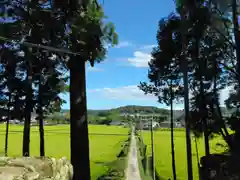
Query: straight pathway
[(132, 172)]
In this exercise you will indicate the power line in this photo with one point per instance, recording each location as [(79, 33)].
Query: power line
[(152, 149), (40, 46)]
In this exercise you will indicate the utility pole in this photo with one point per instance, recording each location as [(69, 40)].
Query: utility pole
[(152, 142), (172, 135), (7, 123)]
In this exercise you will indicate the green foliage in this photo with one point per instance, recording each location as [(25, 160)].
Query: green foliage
[(137, 109), (42, 26), (45, 26), (89, 34), (102, 113), (115, 116), (117, 113), (164, 67), (111, 115), (207, 52)]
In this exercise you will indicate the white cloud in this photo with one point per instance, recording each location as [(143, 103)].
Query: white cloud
[(124, 44), (94, 69), (141, 55), (148, 47), (140, 59), (121, 44), (133, 93)]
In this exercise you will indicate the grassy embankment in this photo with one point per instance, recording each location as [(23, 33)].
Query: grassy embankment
[(142, 157)]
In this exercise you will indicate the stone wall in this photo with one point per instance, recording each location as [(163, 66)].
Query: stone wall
[(29, 168)]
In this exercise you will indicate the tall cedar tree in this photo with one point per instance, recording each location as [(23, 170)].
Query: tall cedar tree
[(36, 27), (164, 74), (10, 79), (215, 59), (88, 35)]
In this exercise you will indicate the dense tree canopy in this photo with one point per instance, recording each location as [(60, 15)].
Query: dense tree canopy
[(210, 59)]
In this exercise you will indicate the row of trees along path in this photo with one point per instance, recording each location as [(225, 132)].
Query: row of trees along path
[(198, 51), (39, 42)]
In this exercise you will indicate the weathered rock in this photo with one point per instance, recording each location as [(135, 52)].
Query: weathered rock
[(35, 169), (32, 176)]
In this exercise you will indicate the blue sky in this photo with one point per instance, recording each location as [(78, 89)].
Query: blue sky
[(113, 83)]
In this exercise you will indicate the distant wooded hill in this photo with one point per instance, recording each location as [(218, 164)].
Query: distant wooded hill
[(132, 109)]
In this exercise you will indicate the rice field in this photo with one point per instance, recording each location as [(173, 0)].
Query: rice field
[(105, 143), (162, 148)]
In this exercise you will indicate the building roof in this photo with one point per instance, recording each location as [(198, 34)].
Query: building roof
[(148, 115), (169, 122)]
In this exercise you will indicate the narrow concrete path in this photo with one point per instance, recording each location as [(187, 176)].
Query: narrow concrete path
[(132, 172)]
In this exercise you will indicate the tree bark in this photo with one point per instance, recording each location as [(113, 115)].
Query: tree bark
[(172, 137), (40, 116), (78, 120), (203, 104), (204, 120), (7, 125), (186, 96), (41, 132), (28, 111)]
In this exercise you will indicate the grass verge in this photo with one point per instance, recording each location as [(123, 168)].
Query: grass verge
[(142, 158), (116, 169)]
